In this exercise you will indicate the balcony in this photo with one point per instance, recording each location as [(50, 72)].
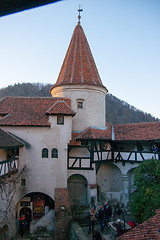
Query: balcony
[(8, 166)]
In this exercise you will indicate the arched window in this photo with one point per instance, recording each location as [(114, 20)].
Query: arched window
[(44, 153), (54, 153)]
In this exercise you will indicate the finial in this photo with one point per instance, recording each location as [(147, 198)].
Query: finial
[(79, 16)]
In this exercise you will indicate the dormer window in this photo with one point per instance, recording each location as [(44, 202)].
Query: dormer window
[(80, 103)]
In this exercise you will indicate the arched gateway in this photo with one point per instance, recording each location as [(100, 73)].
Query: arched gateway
[(37, 205), (78, 190)]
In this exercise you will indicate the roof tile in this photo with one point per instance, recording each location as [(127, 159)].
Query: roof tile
[(146, 230), (137, 131), (79, 66), (23, 111)]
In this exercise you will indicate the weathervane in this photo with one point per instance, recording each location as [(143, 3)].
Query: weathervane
[(79, 16)]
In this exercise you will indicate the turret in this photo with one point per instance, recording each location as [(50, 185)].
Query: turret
[(79, 80)]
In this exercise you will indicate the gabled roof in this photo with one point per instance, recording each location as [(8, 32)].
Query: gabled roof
[(95, 133), (60, 107), (79, 66), (7, 140), (146, 230), (23, 111), (137, 131)]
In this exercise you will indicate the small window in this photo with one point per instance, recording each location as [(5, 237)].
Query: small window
[(44, 153), (80, 103), (60, 120), (54, 153)]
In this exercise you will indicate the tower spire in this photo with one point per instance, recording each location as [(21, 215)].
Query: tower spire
[(79, 16)]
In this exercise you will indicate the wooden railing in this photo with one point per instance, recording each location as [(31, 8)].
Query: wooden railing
[(127, 156), (99, 156), (8, 166)]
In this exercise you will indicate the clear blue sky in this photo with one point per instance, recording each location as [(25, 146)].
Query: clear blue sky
[(124, 37)]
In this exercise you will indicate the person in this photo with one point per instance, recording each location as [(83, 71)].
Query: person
[(28, 221), (119, 228), (96, 235), (92, 218), (101, 217), (107, 213), (132, 223), (22, 225)]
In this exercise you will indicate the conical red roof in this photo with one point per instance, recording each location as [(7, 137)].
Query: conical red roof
[(79, 66)]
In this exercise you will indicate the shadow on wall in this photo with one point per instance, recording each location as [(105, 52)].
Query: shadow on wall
[(4, 233), (110, 183)]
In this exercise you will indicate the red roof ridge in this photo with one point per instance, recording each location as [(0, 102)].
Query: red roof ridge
[(70, 111), (96, 133)]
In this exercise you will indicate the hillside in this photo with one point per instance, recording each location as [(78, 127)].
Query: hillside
[(117, 111)]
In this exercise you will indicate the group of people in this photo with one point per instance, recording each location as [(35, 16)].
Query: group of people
[(104, 214), (24, 223)]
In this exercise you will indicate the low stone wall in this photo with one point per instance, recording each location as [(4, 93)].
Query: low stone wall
[(76, 233)]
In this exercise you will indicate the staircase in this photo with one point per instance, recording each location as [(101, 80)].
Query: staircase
[(47, 222)]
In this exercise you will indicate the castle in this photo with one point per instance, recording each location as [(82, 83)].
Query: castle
[(49, 145)]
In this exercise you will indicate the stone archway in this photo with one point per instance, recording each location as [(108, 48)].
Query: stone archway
[(110, 183), (40, 206), (78, 190)]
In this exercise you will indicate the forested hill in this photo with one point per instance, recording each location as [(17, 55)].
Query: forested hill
[(117, 111)]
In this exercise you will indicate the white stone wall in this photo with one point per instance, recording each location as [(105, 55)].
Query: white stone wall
[(44, 174), (93, 113)]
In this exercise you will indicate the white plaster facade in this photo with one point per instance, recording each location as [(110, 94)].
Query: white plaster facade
[(93, 112)]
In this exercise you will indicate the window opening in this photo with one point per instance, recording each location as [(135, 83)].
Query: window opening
[(54, 153), (44, 153), (60, 120)]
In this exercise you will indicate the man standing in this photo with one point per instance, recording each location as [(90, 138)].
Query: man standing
[(101, 217), (92, 218), (107, 213)]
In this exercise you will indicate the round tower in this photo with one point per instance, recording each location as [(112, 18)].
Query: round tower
[(79, 80)]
